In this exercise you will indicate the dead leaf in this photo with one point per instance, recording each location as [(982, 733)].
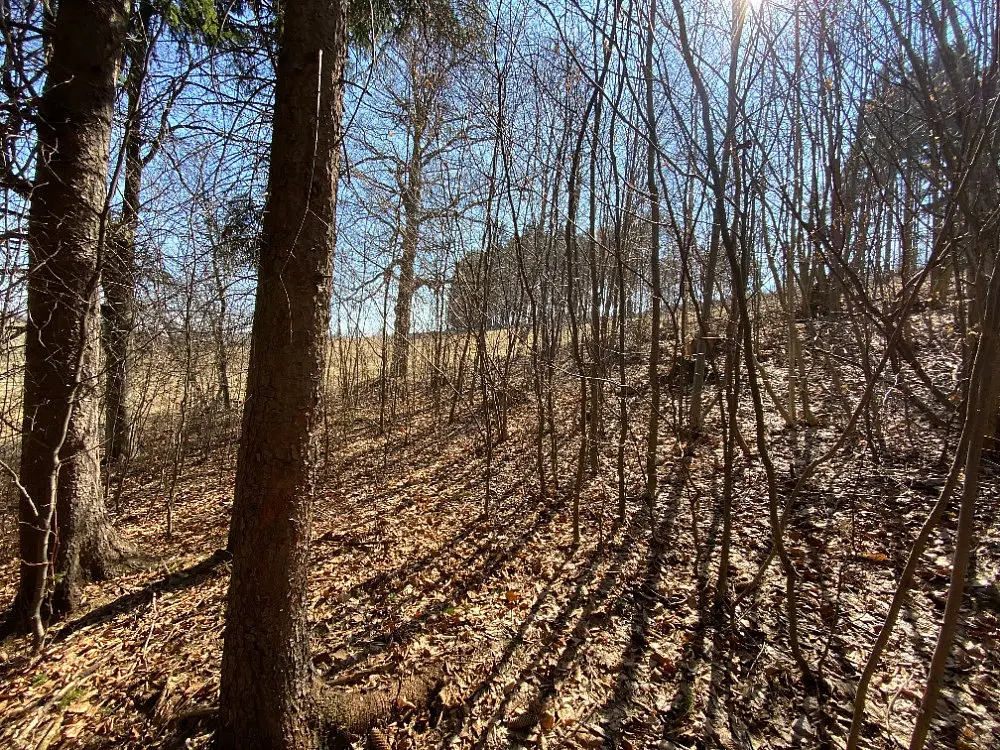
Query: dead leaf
[(547, 721)]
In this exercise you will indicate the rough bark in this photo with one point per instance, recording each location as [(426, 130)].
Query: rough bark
[(265, 697), (118, 313), (64, 527), (356, 711), (119, 272)]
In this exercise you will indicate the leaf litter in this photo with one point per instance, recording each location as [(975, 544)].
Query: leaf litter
[(611, 644)]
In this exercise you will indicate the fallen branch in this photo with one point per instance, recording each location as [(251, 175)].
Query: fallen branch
[(357, 710)]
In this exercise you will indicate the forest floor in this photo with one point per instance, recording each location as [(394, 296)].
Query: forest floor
[(613, 643)]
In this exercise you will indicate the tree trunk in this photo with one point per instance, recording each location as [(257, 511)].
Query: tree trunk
[(404, 308), (411, 237), (596, 342), (59, 470), (221, 344), (119, 272), (652, 435), (264, 699), (118, 314)]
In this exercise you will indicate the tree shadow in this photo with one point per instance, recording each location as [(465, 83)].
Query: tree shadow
[(588, 601), (182, 579), (616, 713), (480, 564)]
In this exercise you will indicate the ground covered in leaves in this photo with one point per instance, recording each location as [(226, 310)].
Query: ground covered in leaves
[(613, 643)]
